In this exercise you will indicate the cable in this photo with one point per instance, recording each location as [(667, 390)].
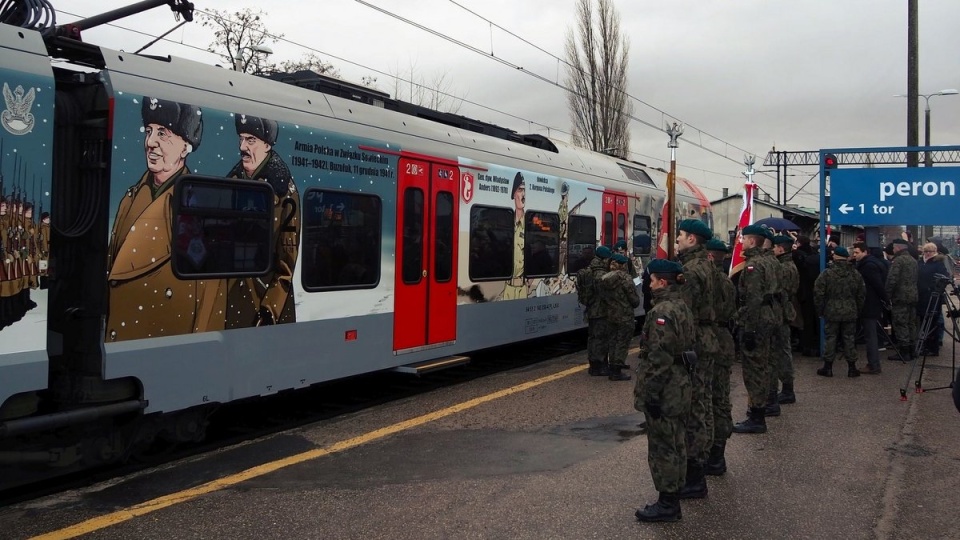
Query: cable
[(32, 14)]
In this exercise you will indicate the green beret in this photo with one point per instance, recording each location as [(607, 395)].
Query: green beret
[(603, 252), (841, 251), (758, 230), (183, 119), (664, 266), (622, 259), (782, 239), (697, 227), (621, 244), (715, 244)]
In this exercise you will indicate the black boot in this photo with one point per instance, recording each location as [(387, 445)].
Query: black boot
[(787, 396), (826, 370), (716, 463), (755, 422), (773, 406), (597, 369), (696, 486), (667, 508), (617, 374), (852, 370)]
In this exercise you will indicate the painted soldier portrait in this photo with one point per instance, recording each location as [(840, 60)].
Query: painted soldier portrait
[(517, 286)]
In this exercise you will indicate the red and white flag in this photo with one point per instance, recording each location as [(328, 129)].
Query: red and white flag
[(746, 218), (663, 240)]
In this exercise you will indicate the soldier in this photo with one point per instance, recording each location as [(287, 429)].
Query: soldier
[(621, 248), (789, 282), (587, 294), (267, 300), (663, 389), (700, 291), (145, 298), (617, 299), (901, 289), (759, 313), (726, 309), (838, 295)]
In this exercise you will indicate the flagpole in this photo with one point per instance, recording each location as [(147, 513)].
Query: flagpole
[(674, 132), (746, 215)]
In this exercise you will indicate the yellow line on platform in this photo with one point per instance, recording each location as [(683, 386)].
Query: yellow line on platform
[(160, 503)]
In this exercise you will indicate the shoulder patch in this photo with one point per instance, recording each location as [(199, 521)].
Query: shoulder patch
[(749, 269), (661, 321)]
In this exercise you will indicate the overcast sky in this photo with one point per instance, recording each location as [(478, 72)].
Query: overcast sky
[(747, 74)]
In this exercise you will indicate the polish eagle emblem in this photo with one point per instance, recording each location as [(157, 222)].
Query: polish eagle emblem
[(17, 118)]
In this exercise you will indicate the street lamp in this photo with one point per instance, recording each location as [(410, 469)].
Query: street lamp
[(240, 65), (926, 118)]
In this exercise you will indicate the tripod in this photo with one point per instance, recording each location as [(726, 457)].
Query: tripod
[(928, 326)]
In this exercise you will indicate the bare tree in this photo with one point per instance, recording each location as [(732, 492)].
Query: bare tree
[(436, 93), (597, 78), (312, 62), (240, 38)]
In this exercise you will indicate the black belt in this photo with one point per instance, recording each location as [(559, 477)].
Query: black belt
[(706, 322)]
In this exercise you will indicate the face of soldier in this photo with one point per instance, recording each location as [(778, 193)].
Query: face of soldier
[(685, 241), (520, 197), (165, 151), (252, 152), (657, 283)]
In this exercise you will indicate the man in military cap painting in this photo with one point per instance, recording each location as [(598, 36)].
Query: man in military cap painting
[(267, 300), (145, 298), (517, 286)]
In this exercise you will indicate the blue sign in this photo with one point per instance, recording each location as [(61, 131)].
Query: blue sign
[(895, 196)]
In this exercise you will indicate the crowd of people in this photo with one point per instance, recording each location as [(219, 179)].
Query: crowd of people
[(694, 311)]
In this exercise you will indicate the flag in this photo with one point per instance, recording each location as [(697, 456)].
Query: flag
[(746, 218), (662, 240)]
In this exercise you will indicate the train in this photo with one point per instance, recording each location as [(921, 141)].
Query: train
[(178, 236)]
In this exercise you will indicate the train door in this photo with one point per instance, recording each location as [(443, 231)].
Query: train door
[(425, 309), (614, 219)]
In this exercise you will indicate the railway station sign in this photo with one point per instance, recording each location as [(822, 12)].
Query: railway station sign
[(895, 196)]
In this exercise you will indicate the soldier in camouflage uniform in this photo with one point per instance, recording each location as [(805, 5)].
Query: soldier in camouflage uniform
[(726, 309), (789, 282), (759, 312), (617, 299), (621, 248), (838, 296), (587, 295), (700, 290), (663, 388), (901, 289)]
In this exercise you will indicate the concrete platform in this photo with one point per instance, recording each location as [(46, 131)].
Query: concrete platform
[(559, 459)]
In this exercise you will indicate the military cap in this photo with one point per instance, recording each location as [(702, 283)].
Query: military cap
[(841, 251), (604, 252), (782, 239), (622, 259), (715, 244), (564, 188), (697, 227), (758, 230), (261, 128), (180, 118), (900, 242), (517, 184), (664, 266), (621, 244)]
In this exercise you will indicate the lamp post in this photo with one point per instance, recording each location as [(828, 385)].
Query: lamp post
[(240, 65), (674, 132), (926, 118)]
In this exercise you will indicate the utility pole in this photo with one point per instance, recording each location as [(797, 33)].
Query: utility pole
[(913, 91)]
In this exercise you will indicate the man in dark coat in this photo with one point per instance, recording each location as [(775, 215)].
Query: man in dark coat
[(931, 281), (874, 274), (807, 260)]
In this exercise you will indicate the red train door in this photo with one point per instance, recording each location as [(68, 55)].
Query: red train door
[(614, 227), (425, 309)]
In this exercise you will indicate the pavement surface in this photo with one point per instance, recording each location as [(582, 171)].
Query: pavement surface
[(549, 452)]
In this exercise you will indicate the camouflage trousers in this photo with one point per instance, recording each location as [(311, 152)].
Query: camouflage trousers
[(904, 321), (596, 339), (757, 365), (722, 418), (617, 340), (666, 453), (845, 332), (700, 419)]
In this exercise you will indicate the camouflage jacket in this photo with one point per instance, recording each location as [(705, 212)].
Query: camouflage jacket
[(901, 287), (727, 299), (790, 282), (667, 332), (759, 292), (839, 292), (700, 288), (617, 297), (587, 286)]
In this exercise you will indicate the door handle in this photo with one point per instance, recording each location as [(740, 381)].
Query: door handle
[(424, 273)]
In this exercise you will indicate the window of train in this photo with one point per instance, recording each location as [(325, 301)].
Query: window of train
[(491, 243), (608, 229), (341, 240), (412, 251), (443, 237), (621, 227), (541, 244), (581, 239), (642, 240)]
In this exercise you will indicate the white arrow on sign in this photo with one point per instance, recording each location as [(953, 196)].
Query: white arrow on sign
[(844, 208)]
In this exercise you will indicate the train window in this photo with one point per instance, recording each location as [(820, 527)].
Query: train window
[(621, 227), (608, 229), (642, 240), (412, 251), (443, 237), (222, 227), (492, 233), (581, 240), (541, 245), (341, 240)]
